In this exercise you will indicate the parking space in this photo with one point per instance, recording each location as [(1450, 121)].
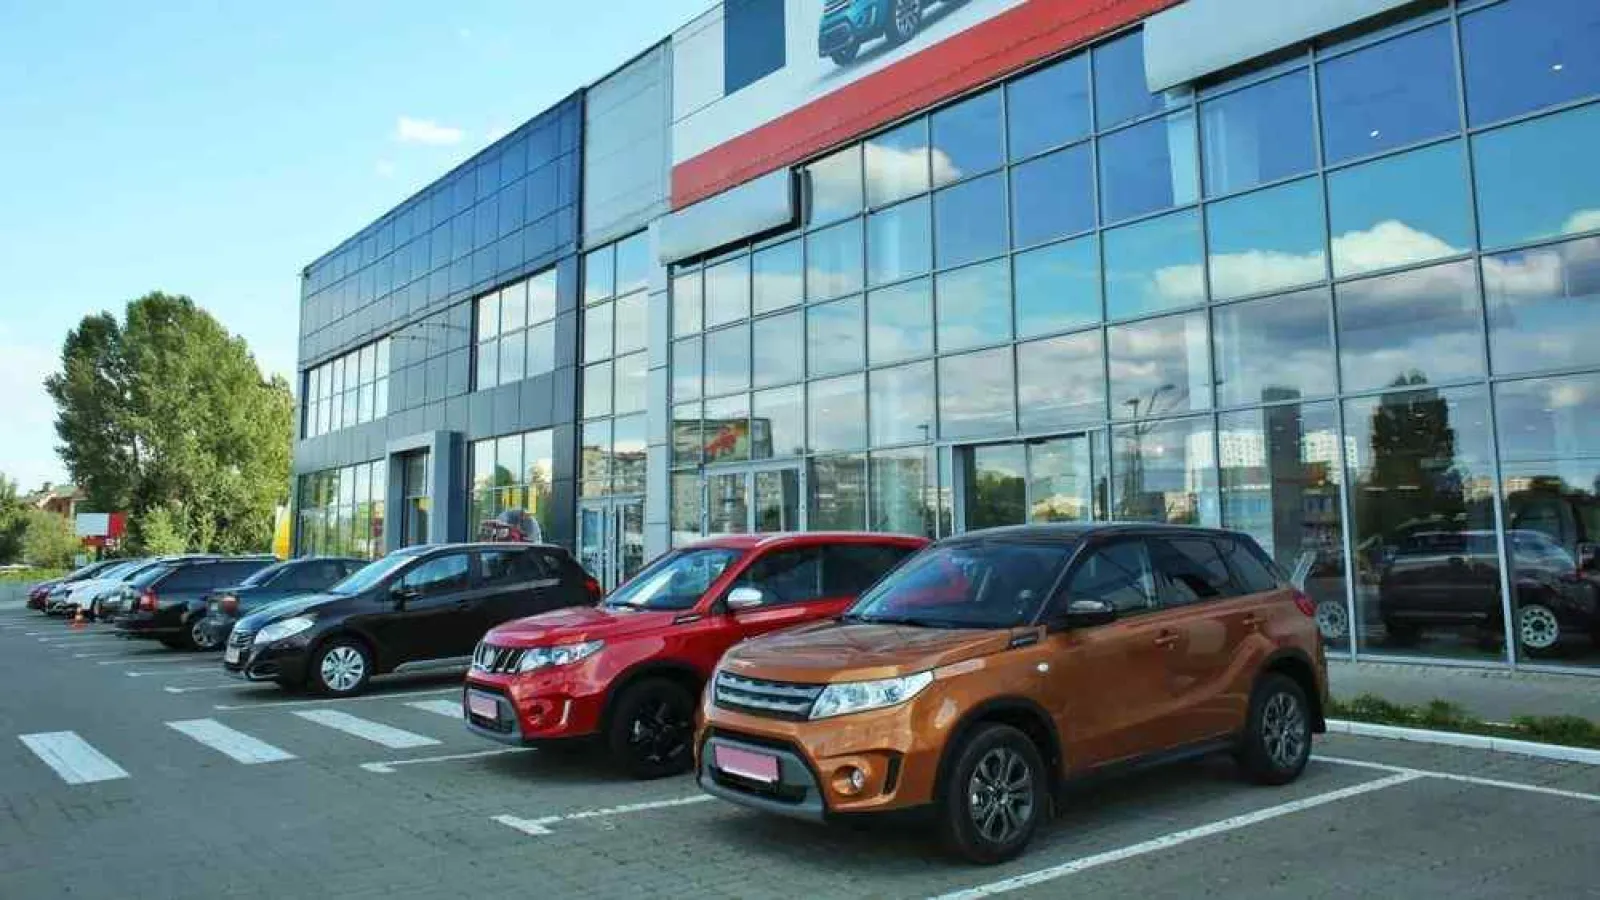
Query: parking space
[(177, 781)]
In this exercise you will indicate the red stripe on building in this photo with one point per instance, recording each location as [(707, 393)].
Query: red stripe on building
[(995, 47)]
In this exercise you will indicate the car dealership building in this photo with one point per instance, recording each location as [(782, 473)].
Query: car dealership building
[(1325, 272)]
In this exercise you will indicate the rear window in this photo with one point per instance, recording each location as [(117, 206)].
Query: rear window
[(1254, 572), (223, 574), (143, 578), (186, 578), (1191, 570)]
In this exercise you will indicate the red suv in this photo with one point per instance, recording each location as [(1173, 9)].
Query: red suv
[(630, 670)]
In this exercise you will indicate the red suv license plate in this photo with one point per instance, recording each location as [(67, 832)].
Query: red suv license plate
[(747, 764), (483, 705)]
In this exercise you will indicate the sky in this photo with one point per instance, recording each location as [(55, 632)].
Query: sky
[(215, 148)]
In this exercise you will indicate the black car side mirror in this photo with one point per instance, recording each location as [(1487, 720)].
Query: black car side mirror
[(1084, 614), (400, 593), (1588, 557)]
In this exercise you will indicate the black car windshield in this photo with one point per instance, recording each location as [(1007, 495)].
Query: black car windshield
[(147, 576), (676, 581), (262, 576), (118, 570), (372, 573), (973, 584)]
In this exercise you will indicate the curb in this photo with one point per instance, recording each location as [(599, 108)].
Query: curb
[(1473, 741)]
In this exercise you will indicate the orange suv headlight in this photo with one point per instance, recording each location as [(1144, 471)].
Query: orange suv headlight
[(859, 696)]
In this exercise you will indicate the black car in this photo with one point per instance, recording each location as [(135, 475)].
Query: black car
[(39, 593), (418, 609), (167, 602), (291, 578)]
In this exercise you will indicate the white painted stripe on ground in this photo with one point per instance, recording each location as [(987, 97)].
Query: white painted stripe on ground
[(223, 707), (1465, 779), (376, 732), (387, 767), (195, 688), (236, 745), (166, 672), (72, 757), (1471, 741), (536, 827), (143, 659), (451, 708)]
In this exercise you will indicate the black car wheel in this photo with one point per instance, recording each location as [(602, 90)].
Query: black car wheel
[(341, 668), (652, 729), (905, 20), (1277, 738), (200, 636), (996, 793)]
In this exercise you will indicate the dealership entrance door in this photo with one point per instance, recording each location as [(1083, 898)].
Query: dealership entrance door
[(1055, 479), (611, 538), (746, 500)]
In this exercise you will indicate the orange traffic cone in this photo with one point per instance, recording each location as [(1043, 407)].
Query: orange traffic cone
[(78, 620)]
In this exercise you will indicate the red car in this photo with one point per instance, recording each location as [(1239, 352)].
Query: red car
[(629, 671)]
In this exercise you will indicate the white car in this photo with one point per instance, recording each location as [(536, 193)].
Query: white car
[(67, 599)]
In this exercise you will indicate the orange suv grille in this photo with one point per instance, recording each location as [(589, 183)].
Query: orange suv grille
[(776, 699)]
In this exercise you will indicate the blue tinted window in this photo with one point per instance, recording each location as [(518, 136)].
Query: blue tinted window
[(1537, 179), (899, 242), (1058, 287), (967, 138), (897, 163), (728, 360), (1052, 196), (1049, 107), (974, 306), (833, 260), (1159, 366), (1544, 307), (835, 337), (1273, 349), (1154, 265), (1267, 240), (1148, 167), (900, 322), (1120, 89), (970, 221), (833, 186), (1398, 210), (752, 41), (1423, 326), (1260, 134), (1395, 93), (1529, 54)]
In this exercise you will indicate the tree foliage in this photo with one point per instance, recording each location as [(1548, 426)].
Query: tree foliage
[(166, 416), (49, 541), (13, 521)]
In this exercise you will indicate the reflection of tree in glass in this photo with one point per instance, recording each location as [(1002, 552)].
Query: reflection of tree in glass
[(998, 498)]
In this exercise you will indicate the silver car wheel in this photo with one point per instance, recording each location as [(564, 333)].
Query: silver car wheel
[(1333, 620), (1283, 730), (1538, 628), (342, 669), (200, 637), (907, 18)]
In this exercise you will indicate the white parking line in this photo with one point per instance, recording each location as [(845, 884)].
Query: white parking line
[(1464, 779), (324, 702), (393, 738), (537, 827), (72, 757), (1168, 841), (237, 745), (387, 766), (165, 672), (450, 708), (145, 658), (190, 689)]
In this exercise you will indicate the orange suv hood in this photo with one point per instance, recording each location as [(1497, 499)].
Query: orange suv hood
[(859, 651)]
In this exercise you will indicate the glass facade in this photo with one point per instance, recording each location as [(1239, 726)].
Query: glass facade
[(515, 472), (616, 281), (347, 390), (1345, 303), (514, 332), (341, 511)]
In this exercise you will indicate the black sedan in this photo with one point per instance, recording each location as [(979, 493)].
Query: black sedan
[(292, 578)]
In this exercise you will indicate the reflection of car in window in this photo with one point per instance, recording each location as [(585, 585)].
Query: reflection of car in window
[(848, 24)]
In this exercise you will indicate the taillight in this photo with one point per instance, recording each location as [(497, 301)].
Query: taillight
[(1304, 604), (229, 605), (147, 601), (591, 585)]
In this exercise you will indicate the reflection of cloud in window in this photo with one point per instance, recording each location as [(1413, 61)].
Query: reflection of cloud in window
[(1259, 271), (1581, 221), (1385, 245), (897, 171)]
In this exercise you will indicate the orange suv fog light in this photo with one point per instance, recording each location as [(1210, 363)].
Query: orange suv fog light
[(849, 780)]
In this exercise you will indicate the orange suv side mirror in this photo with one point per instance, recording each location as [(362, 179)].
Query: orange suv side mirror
[(1083, 614)]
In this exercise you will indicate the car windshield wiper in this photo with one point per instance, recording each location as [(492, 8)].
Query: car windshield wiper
[(915, 622)]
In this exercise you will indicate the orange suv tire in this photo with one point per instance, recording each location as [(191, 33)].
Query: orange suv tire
[(1277, 740), (998, 791)]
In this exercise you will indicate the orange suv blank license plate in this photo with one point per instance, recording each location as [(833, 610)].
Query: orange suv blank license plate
[(746, 764), (483, 705)]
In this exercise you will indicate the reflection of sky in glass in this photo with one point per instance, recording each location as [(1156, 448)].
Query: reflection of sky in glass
[(1538, 179), (597, 390), (1154, 265), (1258, 134), (728, 360), (833, 260), (1544, 306), (596, 332), (1159, 366), (837, 413), (631, 374), (1400, 209), (1267, 240), (901, 404), (686, 358), (776, 276), (1052, 196), (781, 412), (686, 304), (1058, 287), (1549, 428), (1120, 89), (633, 263), (728, 292), (899, 242), (970, 221), (834, 186), (1148, 167), (1528, 55), (976, 394), (974, 306), (900, 322), (1273, 349), (779, 354), (969, 136), (1389, 95), (1061, 381), (599, 274), (897, 163), (1425, 322), (834, 340), (1049, 107)]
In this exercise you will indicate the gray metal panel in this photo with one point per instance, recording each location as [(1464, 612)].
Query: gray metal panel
[(1197, 38), (627, 156), (754, 207)]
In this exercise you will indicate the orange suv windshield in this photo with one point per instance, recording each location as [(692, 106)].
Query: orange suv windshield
[(977, 584)]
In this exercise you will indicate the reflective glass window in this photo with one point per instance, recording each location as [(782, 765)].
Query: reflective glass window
[(1061, 381), (1154, 265), (897, 163), (488, 316), (778, 422), (1258, 134), (597, 390), (837, 413), (727, 290), (728, 429), (633, 263), (686, 508), (686, 363), (899, 242), (976, 394), (1267, 240), (1529, 54), (1049, 107), (1389, 95), (904, 491), (838, 493), (687, 434), (900, 322), (594, 453), (833, 261), (727, 360), (514, 307), (631, 316), (901, 404), (1273, 349), (1159, 367), (1164, 473), (487, 361), (541, 349), (599, 274), (779, 352), (1537, 179), (835, 339), (996, 481), (686, 304), (1148, 167), (1417, 327), (1544, 307), (974, 306), (1058, 286), (1052, 196), (1120, 89), (513, 353), (777, 277), (542, 296), (968, 138), (632, 382), (1399, 209), (833, 186), (628, 455), (597, 332), (970, 221)]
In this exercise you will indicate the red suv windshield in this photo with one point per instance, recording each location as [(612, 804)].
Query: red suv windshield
[(675, 581)]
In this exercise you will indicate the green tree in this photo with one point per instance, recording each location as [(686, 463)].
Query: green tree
[(168, 411), (13, 521), (48, 540), (156, 532)]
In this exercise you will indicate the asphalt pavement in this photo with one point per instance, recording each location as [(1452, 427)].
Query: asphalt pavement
[(127, 771)]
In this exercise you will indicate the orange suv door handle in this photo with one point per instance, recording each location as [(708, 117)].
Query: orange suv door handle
[(1253, 621), (1166, 639)]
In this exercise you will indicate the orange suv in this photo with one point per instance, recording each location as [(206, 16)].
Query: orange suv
[(992, 667)]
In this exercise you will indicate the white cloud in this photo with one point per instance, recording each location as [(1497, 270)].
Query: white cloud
[(1581, 221), (28, 455), (1385, 245), (384, 168), (426, 131)]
